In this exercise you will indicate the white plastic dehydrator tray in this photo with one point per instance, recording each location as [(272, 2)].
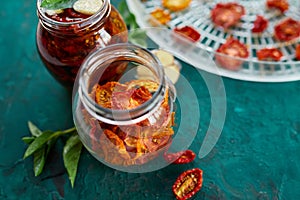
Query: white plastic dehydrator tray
[(197, 15)]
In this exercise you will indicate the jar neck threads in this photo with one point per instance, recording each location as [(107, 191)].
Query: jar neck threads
[(95, 66), (74, 27)]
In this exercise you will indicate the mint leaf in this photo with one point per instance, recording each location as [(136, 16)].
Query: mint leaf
[(34, 130), (71, 155), (57, 4), (138, 37), (128, 17)]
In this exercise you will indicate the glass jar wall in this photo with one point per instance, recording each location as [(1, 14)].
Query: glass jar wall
[(66, 36), (125, 121)]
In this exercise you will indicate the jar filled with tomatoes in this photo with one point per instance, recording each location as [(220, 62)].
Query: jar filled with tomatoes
[(126, 121), (69, 30)]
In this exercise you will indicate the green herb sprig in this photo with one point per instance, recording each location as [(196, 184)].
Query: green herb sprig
[(57, 4), (41, 142)]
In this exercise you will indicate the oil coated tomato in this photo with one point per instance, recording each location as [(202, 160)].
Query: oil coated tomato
[(231, 48), (188, 32), (260, 24), (281, 5), (269, 54), (287, 29), (188, 184), (227, 14)]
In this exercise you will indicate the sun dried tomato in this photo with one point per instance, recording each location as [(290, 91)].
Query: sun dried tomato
[(160, 17), (188, 32), (260, 24), (281, 5), (287, 30), (227, 14), (297, 52), (176, 5), (181, 157), (188, 184), (269, 54), (231, 48)]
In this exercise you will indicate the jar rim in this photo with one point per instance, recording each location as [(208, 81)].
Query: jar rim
[(136, 114), (98, 15)]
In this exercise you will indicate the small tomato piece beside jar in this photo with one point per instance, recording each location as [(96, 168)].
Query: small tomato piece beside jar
[(227, 14), (287, 30), (231, 48), (188, 184), (260, 24), (181, 157), (297, 52), (281, 5), (269, 54), (188, 32)]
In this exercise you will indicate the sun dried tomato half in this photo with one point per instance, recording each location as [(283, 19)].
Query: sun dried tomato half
[(176, 5), (260, 24), (227, 14), (297, 52), (188, 184), (181, 157), (232, 48), (188, 32), (269, 54), (160, 17), (281, 5), (287, 30)]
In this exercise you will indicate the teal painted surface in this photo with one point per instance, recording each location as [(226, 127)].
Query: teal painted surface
[(257, 156)]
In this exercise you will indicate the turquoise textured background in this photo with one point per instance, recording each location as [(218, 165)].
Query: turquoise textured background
[(257, 156)]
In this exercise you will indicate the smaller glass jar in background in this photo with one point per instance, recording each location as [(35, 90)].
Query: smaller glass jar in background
[(126, 122), (65, 37)]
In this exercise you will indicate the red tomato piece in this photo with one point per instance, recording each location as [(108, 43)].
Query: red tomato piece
[(181, 157), (270, 54), (297, 52), (232, 48), (260, 24), (227, 14), (281, 5), (287, 30), (188, 184), (188, 32)]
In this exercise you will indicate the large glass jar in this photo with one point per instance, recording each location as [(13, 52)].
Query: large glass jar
[(65, 37), (126, 122)]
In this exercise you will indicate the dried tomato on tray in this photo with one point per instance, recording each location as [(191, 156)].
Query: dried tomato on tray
[(188, 184), (176, 5), (281, 5), (230, 49), (269, 54), (159, 17), (297, 52), (260, 24), (227, 14), (287, 30), (188, 32)]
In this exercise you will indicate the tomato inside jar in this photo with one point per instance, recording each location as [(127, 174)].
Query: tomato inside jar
[(66, 36)]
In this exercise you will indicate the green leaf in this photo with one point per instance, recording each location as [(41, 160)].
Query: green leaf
[(28, 140), (57, 4), (34, 130), (71, 155), (138, 37), (128, 17), (40, 141), (40, 156)]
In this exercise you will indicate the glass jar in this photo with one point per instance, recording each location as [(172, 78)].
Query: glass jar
[(126, 122), (65, 37)]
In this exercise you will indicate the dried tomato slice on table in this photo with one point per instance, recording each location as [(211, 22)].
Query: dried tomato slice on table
[(287, 30), (227, 14), (231, 48), (188, 184), (269, 54), (181, 157)]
